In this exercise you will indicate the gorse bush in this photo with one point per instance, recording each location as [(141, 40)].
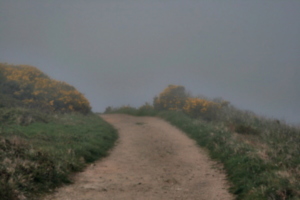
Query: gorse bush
[(196, 107), (174, 97), (32, 88)]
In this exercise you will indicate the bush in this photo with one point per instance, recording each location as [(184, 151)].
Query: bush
[(146, 110), (34, 89), (205, 109), (172, 98)]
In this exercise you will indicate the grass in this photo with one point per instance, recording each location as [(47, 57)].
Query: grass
[(261, 156), (39, 154), (145, 110)]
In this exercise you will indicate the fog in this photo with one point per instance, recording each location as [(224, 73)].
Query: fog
[(126, 52)]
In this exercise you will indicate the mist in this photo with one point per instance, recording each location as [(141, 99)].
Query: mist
[(126, 52)]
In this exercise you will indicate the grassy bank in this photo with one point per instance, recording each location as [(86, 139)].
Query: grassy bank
[(38, 151), (260, 155)]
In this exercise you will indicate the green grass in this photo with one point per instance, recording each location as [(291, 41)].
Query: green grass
[(39, 156), (144, 110), (261, 156)]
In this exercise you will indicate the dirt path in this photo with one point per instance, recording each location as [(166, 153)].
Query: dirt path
[(151, 161)]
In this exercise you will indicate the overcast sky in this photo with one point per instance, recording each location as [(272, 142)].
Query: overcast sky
[(126, 52)]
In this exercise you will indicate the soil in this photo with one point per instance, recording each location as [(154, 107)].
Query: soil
[(152, 160)]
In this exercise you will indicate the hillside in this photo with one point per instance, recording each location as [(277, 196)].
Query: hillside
[(26, 86), (47, 132), (261, 156)]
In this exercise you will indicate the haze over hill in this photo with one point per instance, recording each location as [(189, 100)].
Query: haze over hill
[(126, 52)]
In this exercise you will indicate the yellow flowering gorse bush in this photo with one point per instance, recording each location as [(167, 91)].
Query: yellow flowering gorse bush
[(174, 97), (35, 89), (197, 107)]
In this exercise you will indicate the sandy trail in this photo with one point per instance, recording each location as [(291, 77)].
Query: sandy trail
[(152, 160)]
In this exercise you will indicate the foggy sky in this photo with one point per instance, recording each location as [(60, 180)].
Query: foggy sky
[(126, 52)]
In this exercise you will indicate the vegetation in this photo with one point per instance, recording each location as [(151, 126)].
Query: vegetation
[(40, 156), (46, 132), (26, 86), (260, 155), (145, 110), (172, 98)]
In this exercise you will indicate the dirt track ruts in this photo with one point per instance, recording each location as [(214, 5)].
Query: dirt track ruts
[(152, 160)]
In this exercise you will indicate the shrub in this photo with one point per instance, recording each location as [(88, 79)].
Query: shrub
[(34, 89), (172, 98), (108, 109), (147, 109), (205, 109)]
